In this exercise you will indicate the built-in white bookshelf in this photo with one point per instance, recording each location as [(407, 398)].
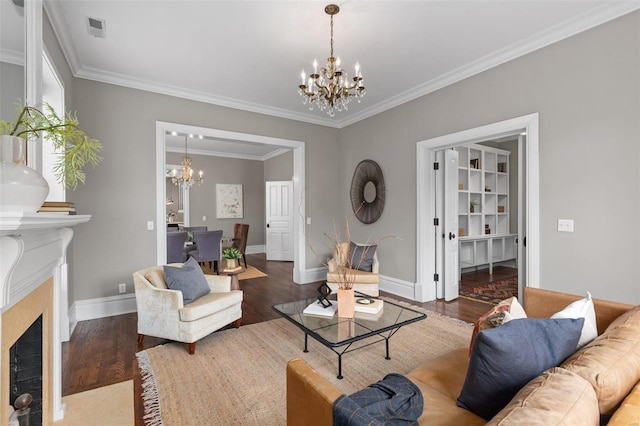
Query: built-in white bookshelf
[(483, 206)]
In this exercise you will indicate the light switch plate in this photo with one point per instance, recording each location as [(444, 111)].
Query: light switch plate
[(150, 225)]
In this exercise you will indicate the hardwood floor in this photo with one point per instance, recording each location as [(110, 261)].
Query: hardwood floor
[(472, 279), (102, 351)]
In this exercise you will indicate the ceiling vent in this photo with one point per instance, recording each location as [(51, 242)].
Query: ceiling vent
[(97, 27)]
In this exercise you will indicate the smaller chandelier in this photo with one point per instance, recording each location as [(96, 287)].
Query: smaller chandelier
[(185, 178), (330, 88)]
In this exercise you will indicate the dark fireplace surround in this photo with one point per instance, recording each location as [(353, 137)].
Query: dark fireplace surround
[(25, 370), (27, 337)]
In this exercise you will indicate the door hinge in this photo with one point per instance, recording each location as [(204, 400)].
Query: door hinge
[(436, 277), (436, 221), (436, 166)]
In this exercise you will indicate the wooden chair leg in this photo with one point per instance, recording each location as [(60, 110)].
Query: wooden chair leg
[(237, 323), (140, 338), (245, 260), (191, 347)]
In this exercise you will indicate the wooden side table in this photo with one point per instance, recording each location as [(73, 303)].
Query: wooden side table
[(235, 283)]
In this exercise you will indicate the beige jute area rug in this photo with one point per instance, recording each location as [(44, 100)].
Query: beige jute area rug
[(238, 376), (251, 272), (104, 406)]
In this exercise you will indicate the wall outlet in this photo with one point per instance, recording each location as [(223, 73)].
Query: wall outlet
[(309, 221), (150, 225), (122, 288), (204, 218), (565, 225)]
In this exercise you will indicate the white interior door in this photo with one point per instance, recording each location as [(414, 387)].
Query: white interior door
[(521, 258), (279, 220), (450, 221)]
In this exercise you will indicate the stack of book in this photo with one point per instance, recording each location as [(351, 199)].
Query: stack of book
[(368, 305), (317, 309), (57, 207)]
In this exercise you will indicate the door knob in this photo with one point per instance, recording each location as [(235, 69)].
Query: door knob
[(267, 225), (451, 235)]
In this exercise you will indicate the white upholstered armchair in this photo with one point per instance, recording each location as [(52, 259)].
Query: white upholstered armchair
[(162, 312), (364, 281)]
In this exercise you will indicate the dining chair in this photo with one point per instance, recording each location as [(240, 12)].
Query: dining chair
[(240, 232), (207, 248), (194, 228), (175, 246)]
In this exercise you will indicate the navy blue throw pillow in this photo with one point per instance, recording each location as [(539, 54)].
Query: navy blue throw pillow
[(361, 257), (506, 358), (189, 279)]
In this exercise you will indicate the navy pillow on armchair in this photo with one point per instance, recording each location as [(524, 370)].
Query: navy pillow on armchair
[(361, 257), (506, 358), (189, 279)]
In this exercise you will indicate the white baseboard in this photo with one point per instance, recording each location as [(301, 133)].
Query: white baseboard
[(102, 307), (307, 276), (398, 287), (391, 285), (256, 249)]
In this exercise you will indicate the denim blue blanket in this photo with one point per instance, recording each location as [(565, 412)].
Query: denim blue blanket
[(394, 400)]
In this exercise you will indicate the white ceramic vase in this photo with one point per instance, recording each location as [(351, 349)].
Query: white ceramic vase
[(22, 189)]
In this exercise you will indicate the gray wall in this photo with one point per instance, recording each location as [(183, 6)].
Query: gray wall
[(202, 198), (587, 92), (11, 90), (120, 192), (279, 168)]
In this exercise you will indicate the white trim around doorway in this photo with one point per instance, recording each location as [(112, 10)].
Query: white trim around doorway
[(298, 147), (425, 287)]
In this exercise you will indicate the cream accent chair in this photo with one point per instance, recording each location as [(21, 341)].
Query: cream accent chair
[(365, 282), (162, 313)]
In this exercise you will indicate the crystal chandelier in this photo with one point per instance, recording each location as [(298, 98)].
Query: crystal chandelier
[(330, 88), (185, 178)]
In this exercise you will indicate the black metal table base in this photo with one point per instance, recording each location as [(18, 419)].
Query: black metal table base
[(347, 350)]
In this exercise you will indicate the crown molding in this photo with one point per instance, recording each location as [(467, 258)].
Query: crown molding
[(60, 29), (12, 57), (585, 21), (566, 29), (180, 92), (238, 156)]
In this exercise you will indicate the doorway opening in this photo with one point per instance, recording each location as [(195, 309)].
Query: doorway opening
[(437, 268), (297, 147), (485, 187)]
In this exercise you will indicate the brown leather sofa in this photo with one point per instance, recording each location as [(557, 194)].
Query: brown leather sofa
[(602, 378)]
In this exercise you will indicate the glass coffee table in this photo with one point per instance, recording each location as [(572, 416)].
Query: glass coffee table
[(335, 332)]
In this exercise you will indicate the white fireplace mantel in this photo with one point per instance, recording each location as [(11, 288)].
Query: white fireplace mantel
[(33, 249), (22, 223)]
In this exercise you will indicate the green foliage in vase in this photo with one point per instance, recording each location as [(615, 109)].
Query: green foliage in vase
[(231, 253), (75, 147)]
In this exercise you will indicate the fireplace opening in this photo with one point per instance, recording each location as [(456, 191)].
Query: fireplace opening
[(25, 369)]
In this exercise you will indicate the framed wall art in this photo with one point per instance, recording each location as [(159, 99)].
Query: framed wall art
[(229, 201)]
